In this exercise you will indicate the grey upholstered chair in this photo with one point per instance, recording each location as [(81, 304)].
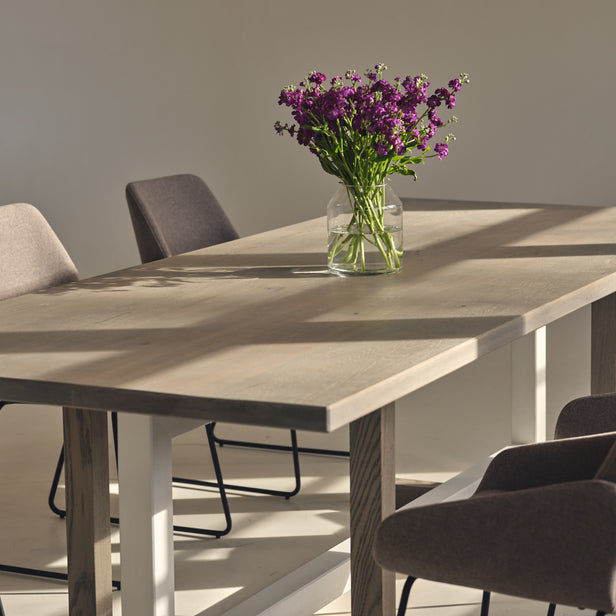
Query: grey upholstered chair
[(541, 524), (176, 214), (31, 255), (31, 259)]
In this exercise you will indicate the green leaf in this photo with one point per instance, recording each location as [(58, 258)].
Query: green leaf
[(405, 171)]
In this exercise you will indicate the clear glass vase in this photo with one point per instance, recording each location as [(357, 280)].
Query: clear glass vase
[(364, 227)]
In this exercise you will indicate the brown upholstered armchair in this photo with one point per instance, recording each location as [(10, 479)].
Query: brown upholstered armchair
[(541, 524)]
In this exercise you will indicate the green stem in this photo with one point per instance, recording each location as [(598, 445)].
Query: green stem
[(367, 226)]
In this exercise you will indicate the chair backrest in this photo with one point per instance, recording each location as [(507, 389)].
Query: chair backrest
[(587, 415), (31, 255), (175, 214)]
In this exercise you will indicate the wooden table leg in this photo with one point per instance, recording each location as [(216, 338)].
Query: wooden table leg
[(87, 504), (372, 468), (603, 346)]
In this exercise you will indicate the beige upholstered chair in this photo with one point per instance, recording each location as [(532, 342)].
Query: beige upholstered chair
[(31, 255), (32, 258), (177, 214), (541, 524)]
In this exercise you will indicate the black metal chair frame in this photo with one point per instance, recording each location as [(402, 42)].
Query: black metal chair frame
[(485, 601), (219, 483), (54, 575), (293, 448), (209, 429), (309, 450)]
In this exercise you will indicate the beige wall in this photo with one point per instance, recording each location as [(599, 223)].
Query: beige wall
[(95, 94)]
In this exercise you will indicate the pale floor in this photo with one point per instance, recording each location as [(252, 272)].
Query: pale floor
[(271, 536)]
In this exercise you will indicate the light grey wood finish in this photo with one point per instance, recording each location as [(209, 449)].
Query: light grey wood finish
[(256, 331), (87, 512)]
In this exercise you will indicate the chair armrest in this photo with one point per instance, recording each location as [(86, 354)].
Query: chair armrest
[(540, 464), (587, 415)]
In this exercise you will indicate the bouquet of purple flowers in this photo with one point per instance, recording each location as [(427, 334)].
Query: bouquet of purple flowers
[(362, 130)]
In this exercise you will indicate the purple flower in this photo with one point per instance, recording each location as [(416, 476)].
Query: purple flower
[(442, 150), (355, 124), (352, 76), (433, 102), (316, 78), (381, 149), (291, 97), (434, 119)]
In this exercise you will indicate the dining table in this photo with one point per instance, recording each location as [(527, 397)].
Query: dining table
[(258, 332)]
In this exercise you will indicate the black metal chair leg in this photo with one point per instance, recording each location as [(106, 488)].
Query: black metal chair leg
[(295, 454), (114, 431), (485, 603), (51, 500), (54, 487), (53, 490), (209, 429), (51, 575), (312, 450), (551, 609), (404, 597), (600, 613)]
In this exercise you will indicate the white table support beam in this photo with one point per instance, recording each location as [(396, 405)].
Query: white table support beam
[(146, 511), (146, 535), (528, 388)]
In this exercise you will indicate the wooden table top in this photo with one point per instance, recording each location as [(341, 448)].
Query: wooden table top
[(257, 331)]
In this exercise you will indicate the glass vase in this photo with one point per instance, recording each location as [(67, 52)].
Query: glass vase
[(364, 227)]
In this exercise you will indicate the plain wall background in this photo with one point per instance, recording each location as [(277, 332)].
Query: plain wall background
[(96, 94)]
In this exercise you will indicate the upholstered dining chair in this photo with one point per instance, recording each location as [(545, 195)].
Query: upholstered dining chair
[(32, 258), (176, 214), (539, 526)]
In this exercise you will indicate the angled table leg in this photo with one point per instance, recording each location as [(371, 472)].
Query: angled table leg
[(372, 469), (603, 345), (87, 506)]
